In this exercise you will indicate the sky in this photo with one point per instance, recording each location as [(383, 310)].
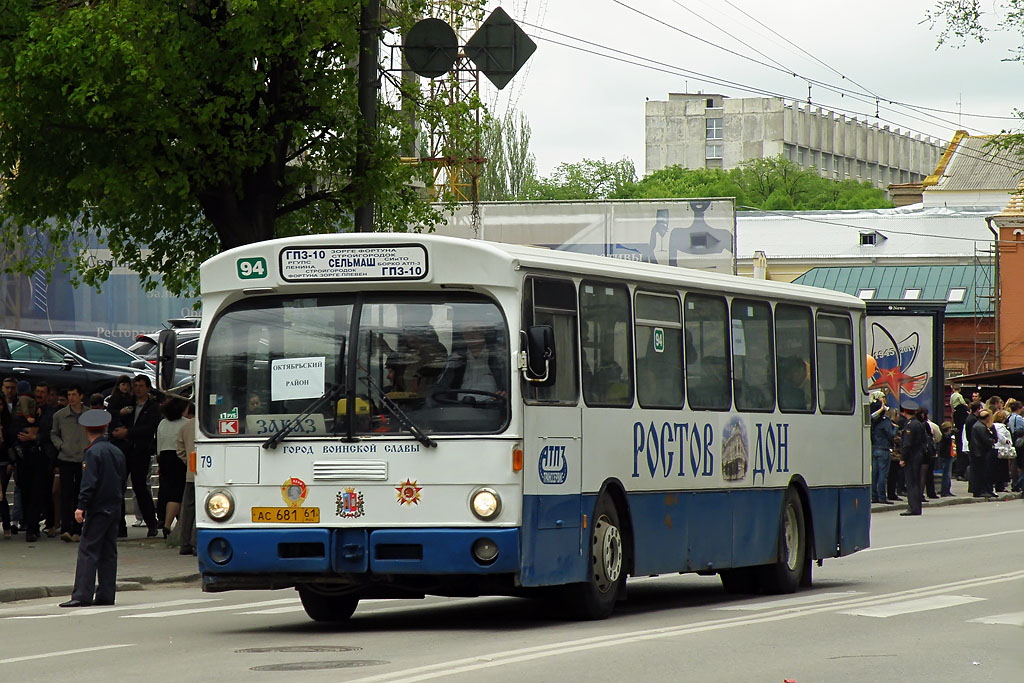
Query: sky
[(581, 105)]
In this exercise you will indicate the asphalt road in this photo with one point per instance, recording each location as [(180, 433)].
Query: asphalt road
[(937, 598)]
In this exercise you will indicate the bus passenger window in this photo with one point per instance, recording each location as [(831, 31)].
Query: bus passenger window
[(707, 358), (794, 358), (605, 321), (659, 352), (553, 302), (753, 355), (835, 364)]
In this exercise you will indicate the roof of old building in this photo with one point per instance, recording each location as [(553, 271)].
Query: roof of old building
[(974, 163), (962, 287)]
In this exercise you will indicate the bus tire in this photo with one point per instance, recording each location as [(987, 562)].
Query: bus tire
[(739, 581), (786, 573), (606, 574), (325, 607)]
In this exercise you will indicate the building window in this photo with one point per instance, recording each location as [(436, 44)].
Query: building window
[(710, 103), (712, 151), (814, 159), (787, 151), (714, 129), (956, 295), (849, 166), (912, 293), (860, 169), (803, 156), (865, 294)]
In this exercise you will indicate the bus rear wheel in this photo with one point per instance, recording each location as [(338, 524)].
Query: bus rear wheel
[(326, 607), (606, 575), (786, 573)]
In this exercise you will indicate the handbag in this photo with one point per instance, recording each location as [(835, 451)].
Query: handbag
[(1006, 452)]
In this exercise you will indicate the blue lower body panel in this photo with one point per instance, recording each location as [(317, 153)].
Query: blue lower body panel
[(354, 551)]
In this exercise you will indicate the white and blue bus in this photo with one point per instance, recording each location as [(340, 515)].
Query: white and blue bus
[(396, 415)]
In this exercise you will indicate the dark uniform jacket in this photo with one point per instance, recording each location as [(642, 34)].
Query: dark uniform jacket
[(914, 435), (104, 475)]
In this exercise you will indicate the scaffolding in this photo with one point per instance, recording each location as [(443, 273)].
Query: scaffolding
[(986, 307)]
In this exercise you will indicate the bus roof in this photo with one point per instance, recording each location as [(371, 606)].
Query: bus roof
[(455, 260)]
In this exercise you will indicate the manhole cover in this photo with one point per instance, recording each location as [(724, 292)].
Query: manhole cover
[(299, 648), (316, 666)]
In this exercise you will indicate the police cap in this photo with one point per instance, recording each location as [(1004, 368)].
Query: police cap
[(94, 418), (909, 407)]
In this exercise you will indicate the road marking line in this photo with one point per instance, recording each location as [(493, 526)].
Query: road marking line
[(789, 602), (201, 610), (1011, 619), (893, 609), (278, 610), (63, 653), (942, 540), (100, 610), (493, 659)]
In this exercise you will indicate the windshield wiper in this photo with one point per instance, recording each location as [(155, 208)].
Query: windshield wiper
[(399, 414), (332, 394)]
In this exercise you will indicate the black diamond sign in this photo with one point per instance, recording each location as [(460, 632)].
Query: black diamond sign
[(499, 48)]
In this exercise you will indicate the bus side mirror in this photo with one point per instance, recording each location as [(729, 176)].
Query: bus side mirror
[(540, 355), (166, 359)]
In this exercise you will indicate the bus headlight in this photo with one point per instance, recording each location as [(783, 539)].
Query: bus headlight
[(485, 503), (220, 505)]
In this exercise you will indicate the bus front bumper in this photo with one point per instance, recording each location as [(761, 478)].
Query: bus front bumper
[(328, 552)]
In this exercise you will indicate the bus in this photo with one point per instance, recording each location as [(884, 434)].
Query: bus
[(401, 415)]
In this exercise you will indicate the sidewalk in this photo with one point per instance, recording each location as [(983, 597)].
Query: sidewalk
[(46, 568), (960, 497)]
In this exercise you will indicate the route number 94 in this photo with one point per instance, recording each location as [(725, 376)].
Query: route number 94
[(252, 268)]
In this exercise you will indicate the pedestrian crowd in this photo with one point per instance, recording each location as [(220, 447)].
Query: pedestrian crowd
[(44, 449), (983, 445)]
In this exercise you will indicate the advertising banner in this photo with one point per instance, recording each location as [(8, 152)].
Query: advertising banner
[(906, 343)]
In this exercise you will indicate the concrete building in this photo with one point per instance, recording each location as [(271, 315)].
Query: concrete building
[(714, 131)]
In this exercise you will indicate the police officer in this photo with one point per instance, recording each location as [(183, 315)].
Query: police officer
[(912, 450), (104, 477)]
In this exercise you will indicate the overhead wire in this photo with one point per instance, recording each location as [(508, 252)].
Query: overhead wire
[(656, 65)]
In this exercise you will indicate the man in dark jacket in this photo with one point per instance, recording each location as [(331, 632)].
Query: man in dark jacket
[(99, 505), (138, 429), (912, 455), (983, 444)]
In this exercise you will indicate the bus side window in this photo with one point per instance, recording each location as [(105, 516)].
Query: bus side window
[(794, 358), (707, 358), (753, 355), (605, 320), (553, 302), (835, 363), (659, 351)]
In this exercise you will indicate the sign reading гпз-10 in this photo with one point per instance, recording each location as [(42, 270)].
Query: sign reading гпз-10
[(406, 262)]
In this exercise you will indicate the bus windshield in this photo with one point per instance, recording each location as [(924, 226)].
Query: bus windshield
[(442, 359)]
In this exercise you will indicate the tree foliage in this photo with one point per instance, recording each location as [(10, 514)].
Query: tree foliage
[(588, 179), (170, 131), (772, 184), (510, 167)]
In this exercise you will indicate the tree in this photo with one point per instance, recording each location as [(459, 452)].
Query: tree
[(588, 179), (963, 20), (170, 131), (773, 184), (510, 167)]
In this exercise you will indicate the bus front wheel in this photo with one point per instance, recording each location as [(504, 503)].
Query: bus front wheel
[(786, 573), (326, 607), (606, 575)]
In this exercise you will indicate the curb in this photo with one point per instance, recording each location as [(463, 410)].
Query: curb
[(945, 502), (128, 583)]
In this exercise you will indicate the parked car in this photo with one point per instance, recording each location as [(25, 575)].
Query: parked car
[(30, 357), (107, 352), (188, 345)]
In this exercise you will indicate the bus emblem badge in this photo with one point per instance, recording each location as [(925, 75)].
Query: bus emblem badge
[(552, 465), (294, 491), (408, 493), (350, 504)]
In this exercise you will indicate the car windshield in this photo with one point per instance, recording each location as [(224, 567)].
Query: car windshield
[(442, 359)]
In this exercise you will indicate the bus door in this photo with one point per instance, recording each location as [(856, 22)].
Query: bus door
[(553, 447)]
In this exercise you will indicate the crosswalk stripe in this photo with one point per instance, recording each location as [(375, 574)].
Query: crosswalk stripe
[(789, 602), (62, 653), (1010, 619), (910, 606), (200, 610), (96, 611)]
